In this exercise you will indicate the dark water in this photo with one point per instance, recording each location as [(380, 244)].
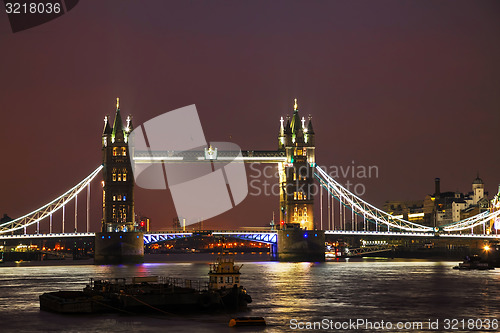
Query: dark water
[(389, 290)]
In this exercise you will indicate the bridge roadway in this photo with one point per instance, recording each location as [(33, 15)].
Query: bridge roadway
[(267, 237), (245, 156), (154, 237)]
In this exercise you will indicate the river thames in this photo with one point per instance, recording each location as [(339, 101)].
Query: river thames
[(409, 295)]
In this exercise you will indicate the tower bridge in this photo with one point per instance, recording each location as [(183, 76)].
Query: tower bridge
[(297, 232)]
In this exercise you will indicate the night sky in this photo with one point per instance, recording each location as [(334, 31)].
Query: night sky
[(412, 87)]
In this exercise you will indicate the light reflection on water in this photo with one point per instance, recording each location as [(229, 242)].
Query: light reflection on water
[(388, 290)]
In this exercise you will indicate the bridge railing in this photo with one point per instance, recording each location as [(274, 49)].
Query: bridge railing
[(471, 222)]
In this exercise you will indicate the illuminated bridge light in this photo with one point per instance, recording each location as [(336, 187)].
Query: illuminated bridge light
[(160, 237), (261, 237)]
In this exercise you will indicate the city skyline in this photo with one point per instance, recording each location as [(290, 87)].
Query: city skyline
[(412, 90)]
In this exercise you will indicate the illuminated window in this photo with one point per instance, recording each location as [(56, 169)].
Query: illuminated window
[(294, 195), (304, 152), (114, 151), (114, 177), (119, 177), (114, 197), (294, 175), (119, 197), (124, 151), (124, 177), (124, 198)]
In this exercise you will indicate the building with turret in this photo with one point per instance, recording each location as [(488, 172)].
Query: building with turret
[(476, 201)]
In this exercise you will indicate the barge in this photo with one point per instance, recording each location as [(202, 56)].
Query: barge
[(155, 294), (474, 262)]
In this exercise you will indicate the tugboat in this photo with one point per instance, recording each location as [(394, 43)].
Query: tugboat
[(224, 279), (474, 262), (162, 294)]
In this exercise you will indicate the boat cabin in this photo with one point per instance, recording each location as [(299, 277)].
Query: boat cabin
[(224, 274)]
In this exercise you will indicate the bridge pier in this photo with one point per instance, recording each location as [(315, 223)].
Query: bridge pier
[(119, 248), (301, 245)]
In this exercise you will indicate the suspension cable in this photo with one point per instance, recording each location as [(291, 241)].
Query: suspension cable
[(48, 209)]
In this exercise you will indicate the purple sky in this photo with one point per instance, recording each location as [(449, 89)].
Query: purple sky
[(412, 87)]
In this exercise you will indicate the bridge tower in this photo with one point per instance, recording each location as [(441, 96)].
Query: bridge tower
[(297, 173), (297, 238), (118, 182), (118, 242)]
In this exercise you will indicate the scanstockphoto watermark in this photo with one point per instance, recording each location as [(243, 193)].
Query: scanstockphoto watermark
[(263, 180), (447, 324)]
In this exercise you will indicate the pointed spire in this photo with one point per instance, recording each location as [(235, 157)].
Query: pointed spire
[(295, 106), (287, 127), (282, 128), (310, 129), (107, 128), (118, 124), (294, 124)]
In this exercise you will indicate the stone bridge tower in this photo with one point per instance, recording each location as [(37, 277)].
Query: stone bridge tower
[(298, 239), (118, 181), (297, 173), (118, 242)]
